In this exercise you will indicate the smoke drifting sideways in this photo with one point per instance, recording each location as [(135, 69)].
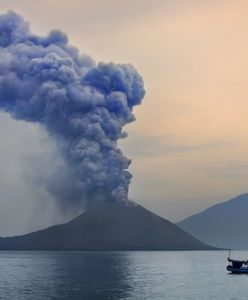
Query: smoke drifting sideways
[(82, 105)]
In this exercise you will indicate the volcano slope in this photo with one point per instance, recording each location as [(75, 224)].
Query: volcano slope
[(108, 226)]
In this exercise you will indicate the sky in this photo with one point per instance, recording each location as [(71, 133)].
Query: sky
[(188, 144)]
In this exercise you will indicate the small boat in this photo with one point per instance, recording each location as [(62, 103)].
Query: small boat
[(237, 266)]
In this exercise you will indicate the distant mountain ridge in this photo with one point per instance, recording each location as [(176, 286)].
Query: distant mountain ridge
[(108, 226), (223, 225)]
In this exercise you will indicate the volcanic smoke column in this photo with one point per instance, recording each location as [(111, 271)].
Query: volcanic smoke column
[(83, 105)]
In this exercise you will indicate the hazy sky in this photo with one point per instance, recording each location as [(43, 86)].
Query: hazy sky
[(189, 142)]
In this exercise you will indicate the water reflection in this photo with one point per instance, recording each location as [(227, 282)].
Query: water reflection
[(118, 275), (93, 275), (65, 275)]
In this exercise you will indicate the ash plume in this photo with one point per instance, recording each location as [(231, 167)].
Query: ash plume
[(82, 105)]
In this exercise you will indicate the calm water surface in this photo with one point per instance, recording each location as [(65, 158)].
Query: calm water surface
[(119, 275)]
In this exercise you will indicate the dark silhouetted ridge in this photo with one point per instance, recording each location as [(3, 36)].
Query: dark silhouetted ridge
[(223, 225), (109, 226)]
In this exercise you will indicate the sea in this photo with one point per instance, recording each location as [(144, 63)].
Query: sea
[(165, 275)]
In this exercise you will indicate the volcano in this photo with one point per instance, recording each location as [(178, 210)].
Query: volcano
[(108, 226)]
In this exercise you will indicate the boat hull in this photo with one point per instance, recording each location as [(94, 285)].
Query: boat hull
[(242, 270)]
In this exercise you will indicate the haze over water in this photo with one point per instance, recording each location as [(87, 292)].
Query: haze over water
[(119, 275)]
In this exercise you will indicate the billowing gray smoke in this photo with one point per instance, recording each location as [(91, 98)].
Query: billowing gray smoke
[(83, 106)]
